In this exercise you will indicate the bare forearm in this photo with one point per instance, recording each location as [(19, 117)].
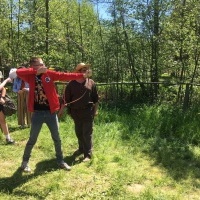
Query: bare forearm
[(3, 94), (4, 83)]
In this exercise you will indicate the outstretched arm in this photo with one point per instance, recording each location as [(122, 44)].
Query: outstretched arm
[(3, 94), (4, 82)]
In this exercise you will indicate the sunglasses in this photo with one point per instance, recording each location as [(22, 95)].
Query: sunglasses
[(38, 65), (83, 70)]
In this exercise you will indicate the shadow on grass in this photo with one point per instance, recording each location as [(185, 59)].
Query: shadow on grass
[(175, 138), (74, 160), (17, 128), (8, 185), (177, 158), (166, 134)]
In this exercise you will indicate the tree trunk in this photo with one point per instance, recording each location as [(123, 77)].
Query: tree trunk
[(107, 63), (81, 31), (47, 27), (130, 57), (155, 52), (181, 56)]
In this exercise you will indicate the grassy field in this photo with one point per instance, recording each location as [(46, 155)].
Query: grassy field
[(144, 153)]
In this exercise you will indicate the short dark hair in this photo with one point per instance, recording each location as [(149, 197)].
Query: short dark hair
[(33, 60)]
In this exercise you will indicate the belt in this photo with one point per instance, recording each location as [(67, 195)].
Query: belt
[(82, 107)]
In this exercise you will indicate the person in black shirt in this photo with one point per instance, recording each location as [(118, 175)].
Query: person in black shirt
[(82, 99)]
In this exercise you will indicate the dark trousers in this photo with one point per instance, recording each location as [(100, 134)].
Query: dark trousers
[(83, 120)]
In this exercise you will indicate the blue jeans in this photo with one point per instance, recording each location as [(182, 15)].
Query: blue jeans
[(37, 120)]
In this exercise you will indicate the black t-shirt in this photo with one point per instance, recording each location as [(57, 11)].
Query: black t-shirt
[(40, 99), (78, 96)]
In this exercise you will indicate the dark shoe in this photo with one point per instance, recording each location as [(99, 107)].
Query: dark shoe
[(10, 141), (25, 167), (64, 166), (77, 153), (86, 159)]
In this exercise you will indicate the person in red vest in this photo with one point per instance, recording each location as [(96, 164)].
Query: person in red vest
[(43, 103)]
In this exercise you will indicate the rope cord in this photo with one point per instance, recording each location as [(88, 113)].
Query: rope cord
[(65, 104), (75, 99)]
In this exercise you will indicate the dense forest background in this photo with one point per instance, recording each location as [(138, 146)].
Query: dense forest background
[(147, 50)]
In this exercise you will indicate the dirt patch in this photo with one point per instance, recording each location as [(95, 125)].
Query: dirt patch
[(136, 188)]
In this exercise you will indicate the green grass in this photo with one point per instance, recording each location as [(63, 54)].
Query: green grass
[(140, 152)]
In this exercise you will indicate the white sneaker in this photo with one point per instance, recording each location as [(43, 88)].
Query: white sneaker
[(65, 166), (25, 167), (86, 159)]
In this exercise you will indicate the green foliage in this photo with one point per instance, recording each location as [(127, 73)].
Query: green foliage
[(139, 43)]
